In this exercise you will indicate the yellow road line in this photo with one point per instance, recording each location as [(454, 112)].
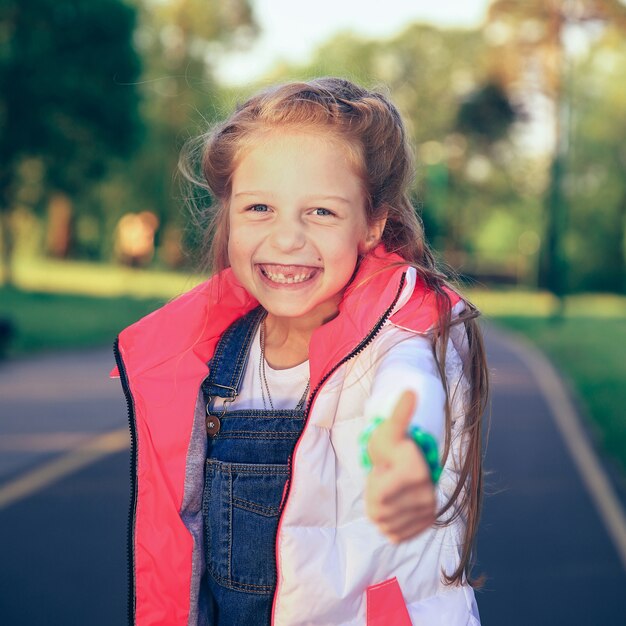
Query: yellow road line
[(81, 456), (43, 442)]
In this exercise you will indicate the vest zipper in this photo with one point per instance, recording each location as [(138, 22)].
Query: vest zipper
[(132, 424), (359, 348), (364, 343)]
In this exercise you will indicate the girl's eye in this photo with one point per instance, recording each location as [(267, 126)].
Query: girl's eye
[(321, 211), (258, 208)]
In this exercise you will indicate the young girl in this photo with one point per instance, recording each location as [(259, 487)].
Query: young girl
[(306, 434)]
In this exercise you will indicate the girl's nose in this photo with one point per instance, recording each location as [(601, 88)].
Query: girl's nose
[(288, 235)]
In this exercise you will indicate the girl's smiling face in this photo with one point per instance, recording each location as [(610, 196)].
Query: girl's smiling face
[(297, 224)]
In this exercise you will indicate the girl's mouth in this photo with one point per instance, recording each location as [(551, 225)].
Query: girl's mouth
[(288, 274)]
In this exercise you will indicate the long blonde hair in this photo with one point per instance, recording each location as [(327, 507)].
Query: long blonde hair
[(372, 131)]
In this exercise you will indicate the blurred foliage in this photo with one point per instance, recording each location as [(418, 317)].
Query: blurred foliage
[(179, 41), (536, 44), (68, 104), (519, 133), (594, 182), (65, 69), (72, 97), (38, 321), (486, 113)]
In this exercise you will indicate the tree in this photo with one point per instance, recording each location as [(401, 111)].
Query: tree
[(67, 73), (486, 113), (180, 42), (531, 57), (594, 183)]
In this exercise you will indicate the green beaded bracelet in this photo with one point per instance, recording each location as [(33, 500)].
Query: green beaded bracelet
[(425, 441), (428, 445), (364, 439)]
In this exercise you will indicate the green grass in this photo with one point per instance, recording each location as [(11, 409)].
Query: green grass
[(59, 305), (48, 321), (97, 279)]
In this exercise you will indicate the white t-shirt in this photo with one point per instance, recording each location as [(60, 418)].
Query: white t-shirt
[(286, 386)]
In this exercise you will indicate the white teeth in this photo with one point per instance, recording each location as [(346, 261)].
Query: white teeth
[(287, 280)]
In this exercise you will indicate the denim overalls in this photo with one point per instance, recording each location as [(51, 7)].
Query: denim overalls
[(246, 471)]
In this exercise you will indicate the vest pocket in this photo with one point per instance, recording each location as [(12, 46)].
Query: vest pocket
[(385, 605), (241, 504)]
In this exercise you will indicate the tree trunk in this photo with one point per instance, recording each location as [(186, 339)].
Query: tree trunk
[(6, 262), (59, 230), (619, 248), (553, 266)]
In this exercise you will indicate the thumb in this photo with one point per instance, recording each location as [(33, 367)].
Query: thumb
[(393, 430), (401, 415)]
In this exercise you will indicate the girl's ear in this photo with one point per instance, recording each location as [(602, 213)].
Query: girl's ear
[(374, 234)]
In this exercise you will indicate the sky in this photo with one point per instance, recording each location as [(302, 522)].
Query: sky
[(292, 29)]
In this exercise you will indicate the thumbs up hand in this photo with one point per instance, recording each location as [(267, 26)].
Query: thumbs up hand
[(399, 493)]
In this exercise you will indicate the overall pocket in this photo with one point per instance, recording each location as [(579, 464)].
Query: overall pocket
[(241, 504)]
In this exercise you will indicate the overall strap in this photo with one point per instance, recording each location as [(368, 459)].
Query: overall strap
[(228, 363)]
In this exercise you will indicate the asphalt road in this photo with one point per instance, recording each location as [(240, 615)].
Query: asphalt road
[(542, 544)]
